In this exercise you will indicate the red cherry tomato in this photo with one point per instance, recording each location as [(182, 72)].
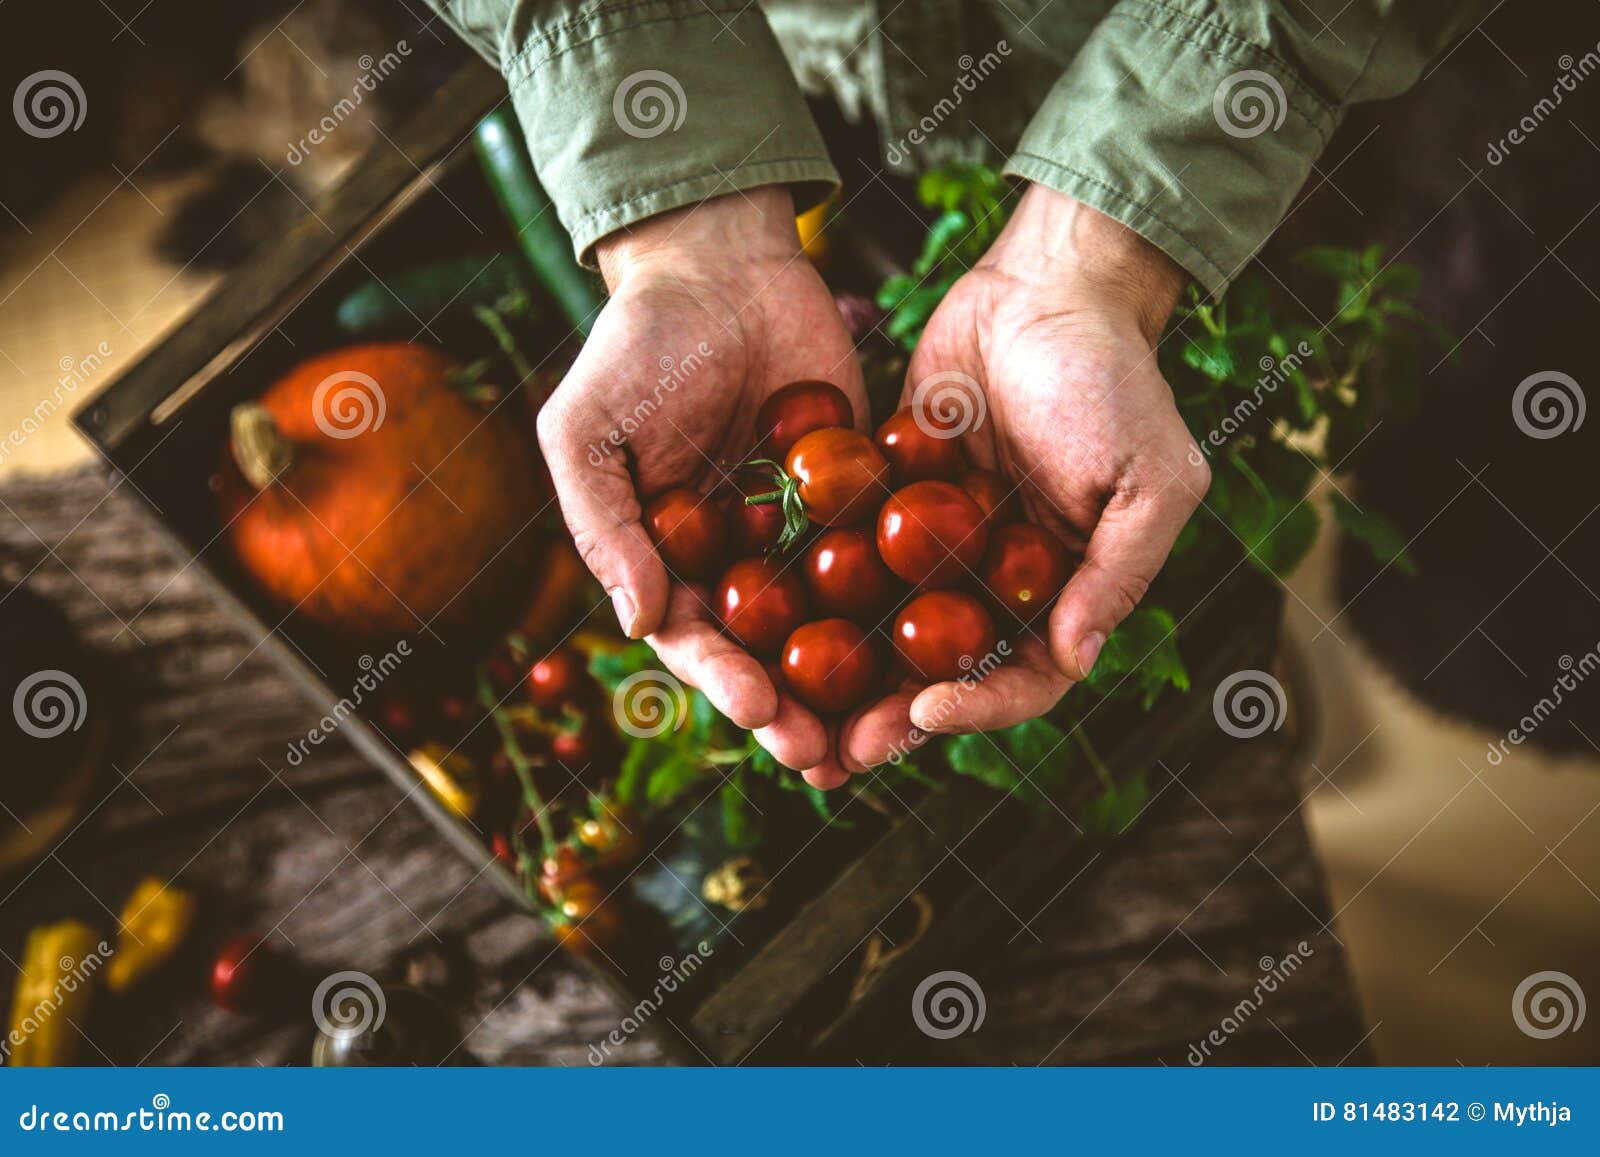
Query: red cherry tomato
[(560, 869), (760, 602), (842, 476), (690, 533), (500, 845), (944, 634), (557, 679), (896, 671), (399, 720), (589, 920), (847, 578), (932, 533), (831, 665), (1025, 567), (994, 493), (244, 973), (753, 529), (914, 452), (794, 411), (574, 748)]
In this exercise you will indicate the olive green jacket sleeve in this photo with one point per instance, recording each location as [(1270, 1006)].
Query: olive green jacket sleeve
[(1195, 122), (635, 107)]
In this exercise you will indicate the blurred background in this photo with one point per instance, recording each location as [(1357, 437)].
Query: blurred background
[(1454, 870)]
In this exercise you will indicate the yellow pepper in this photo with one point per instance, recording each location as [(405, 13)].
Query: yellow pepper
[(450, 775), (52, 994), (155, 921), (810, 225)]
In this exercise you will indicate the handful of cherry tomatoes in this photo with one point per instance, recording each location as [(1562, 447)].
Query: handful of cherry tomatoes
[(852, 565)]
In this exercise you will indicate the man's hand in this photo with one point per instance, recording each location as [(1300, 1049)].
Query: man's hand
[(1057, 325), (712, 309)]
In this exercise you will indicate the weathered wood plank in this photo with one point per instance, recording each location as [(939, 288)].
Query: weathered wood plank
[(350, 875)]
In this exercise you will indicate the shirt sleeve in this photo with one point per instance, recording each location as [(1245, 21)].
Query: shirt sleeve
[(1195, 122), (635, 107)]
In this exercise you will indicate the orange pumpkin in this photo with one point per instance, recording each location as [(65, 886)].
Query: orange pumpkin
[(365, 493)]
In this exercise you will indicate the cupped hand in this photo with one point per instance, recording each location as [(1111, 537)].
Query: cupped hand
[(1051, 337), (712, 309)]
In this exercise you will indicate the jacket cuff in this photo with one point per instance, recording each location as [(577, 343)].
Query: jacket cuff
[(1174, 124), (639, 108)]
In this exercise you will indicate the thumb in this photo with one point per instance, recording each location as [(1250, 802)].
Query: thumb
[(590, 472), (1126, 551)]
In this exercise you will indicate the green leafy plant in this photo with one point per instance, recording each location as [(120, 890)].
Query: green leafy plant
[(696, 747), (971, 213)]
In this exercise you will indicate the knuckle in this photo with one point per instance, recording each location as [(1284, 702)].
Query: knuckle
[(551, 426), (593, 549), (1196, 475), (1124, 593)]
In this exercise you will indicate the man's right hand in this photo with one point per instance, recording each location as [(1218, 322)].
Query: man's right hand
[(712, 309)]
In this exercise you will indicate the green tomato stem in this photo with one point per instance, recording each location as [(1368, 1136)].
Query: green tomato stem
[(519, 762)]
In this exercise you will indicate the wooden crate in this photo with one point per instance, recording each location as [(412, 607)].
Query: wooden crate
[(798, 979)]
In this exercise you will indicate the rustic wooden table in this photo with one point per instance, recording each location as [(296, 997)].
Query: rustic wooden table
[(1159, 940)]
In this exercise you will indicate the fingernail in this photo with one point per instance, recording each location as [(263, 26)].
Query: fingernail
[(1088, 651), (623, 605)]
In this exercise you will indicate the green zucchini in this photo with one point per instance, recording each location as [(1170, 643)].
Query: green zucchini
[(423, 292), (527, 207)]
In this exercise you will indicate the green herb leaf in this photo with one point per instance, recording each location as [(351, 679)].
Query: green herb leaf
[(818, 800), (1140, 658), (1378, 533), (641, 755), (1030, 761), (610, 668), (1332, 260), (1115, 809), (740, 824), (671, 776)]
